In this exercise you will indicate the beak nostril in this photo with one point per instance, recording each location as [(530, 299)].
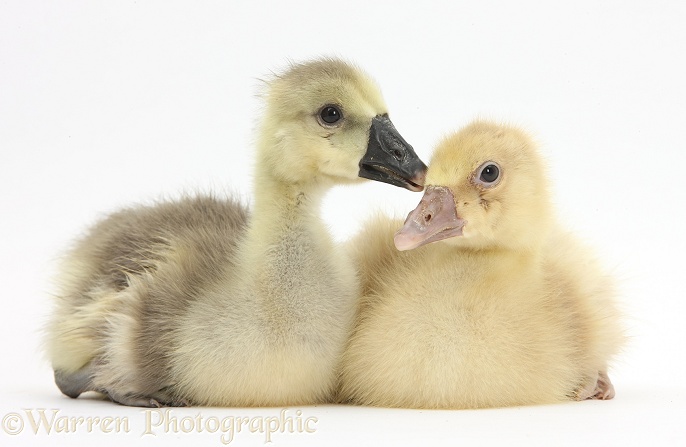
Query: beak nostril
[(397, 154), (427, 217)]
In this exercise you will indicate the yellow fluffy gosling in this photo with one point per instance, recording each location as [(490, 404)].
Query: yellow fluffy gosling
[(507, 309)]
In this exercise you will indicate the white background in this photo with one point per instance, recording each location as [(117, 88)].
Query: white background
[(107, 104)]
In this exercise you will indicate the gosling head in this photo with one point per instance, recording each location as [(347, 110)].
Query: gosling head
[(486, 188), (326, 120)]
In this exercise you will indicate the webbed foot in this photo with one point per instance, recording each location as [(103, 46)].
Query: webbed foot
[(602, 389), (73, 384)]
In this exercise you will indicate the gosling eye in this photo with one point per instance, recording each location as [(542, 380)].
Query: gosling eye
[(329, 115), (488, 174)]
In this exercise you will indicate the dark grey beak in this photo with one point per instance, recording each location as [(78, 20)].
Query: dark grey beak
[(390, 159)]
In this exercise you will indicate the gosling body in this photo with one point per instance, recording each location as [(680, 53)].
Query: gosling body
[(202, 302), (493, 305)]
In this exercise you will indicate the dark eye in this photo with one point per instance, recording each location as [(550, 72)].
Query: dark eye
[(330, 114), (488, 174)]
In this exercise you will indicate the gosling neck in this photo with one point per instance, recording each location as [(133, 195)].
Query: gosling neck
[(282, 205)]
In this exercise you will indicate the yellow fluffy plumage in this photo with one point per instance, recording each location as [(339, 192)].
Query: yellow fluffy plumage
[(504, 308)]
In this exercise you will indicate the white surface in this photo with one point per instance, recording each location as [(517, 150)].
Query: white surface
[(108, 104)]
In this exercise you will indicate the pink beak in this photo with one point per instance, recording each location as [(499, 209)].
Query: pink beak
[(434, 219)]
